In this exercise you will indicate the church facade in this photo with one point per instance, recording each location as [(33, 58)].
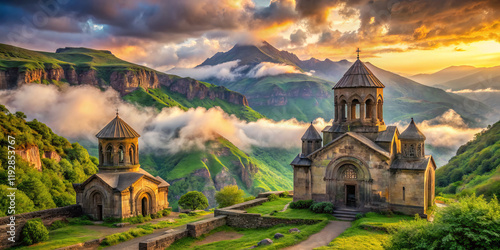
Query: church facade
[(120, 189), (360, 162)]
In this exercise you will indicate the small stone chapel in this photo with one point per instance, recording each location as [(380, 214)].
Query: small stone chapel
[(120, 189), (360, 163)]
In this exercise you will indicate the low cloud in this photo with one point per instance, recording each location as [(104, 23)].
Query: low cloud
[(271, 69), (467, 91), (81, 112), (230, 71), (225, 71)]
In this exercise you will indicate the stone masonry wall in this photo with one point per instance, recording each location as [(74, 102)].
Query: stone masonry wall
[(48, 216), (196, 229), (163, 241)]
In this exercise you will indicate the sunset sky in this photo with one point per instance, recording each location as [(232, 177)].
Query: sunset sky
[(406, 37)]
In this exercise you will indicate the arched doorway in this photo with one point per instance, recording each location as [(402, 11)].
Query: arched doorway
[(144, 206), (98, 206), (347, 182)]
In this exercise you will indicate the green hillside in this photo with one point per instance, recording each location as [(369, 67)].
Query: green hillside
[(52, 187), (475, 168), (220, 164), (164, 98)]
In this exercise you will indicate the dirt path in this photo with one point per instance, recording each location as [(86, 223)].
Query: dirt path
[(133, 244), (219, 236), (323, 237)]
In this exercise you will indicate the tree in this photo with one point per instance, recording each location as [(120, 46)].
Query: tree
[(193, 200), (229, 196)]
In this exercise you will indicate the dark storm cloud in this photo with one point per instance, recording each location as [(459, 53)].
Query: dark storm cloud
[(298, 38)]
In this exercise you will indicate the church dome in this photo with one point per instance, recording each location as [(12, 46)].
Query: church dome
[(311, 134), (358, 75), (412, 133), (117, 128)]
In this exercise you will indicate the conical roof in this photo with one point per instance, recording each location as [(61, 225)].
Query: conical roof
[(358, 75), (117, 128), (412, 133), (311, 134)]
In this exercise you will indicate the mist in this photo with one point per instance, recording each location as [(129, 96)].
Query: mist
[(230, 71), (82, 111)]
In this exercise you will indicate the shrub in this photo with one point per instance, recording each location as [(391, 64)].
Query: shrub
[(82, 220), (249, 198), (285, 194), (193, 200), (359, 216), (272, 197), (138, 219), (34, 231), (303, 204), (229, 196), (58, 224), (182, 216), (471, 223), (322, 207), (166, 212), (192, 213)]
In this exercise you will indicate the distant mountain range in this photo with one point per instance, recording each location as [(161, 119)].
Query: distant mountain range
[(307, 93)]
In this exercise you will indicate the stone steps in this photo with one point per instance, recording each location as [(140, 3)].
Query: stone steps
[(346, 214)]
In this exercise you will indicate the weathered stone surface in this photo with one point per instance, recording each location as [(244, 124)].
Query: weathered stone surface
[(294, 230), (278, 235), (31, 155), (123, 224), (52, 155), (265, 242), (196, 229)]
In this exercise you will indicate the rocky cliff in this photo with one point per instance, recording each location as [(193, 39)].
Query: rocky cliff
[(31, 154), (123, 81)]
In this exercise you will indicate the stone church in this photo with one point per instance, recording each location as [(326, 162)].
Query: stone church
[(360, 162), (121, 188)]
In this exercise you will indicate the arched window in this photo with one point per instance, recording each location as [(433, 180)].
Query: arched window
[(355, 109), (379, 110), (343, 110), (411, 150), (109, 155), (368, 108), (349, 173), (121, 154), (131, 154), (101, 155)]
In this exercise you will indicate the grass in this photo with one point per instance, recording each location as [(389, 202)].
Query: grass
[(270, 206), (66, 236), (361, 234), (303, 214), (252, 236)]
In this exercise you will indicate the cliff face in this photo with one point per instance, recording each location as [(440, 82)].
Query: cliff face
[(123, 81), (31, 155)]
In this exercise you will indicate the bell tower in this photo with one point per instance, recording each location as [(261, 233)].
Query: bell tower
[(412, 143), (359, 100), (118, 147)]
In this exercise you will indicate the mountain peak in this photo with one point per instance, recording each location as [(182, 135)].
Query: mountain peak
[(81, 50)]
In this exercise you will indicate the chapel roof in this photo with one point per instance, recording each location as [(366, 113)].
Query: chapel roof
[(117, 128), (311, 134), (412, 133), (421, 164), (359, 137), (123, 180), (358, 75), (388, 134)]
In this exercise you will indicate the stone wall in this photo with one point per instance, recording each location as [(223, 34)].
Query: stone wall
[(48, 216), (242, 219), (196, 229), (163, 241)]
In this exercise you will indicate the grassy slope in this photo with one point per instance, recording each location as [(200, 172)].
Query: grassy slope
[(270, 206), (360, 237), (475, 168)]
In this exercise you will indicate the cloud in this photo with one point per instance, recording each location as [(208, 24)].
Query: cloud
[(271, 69), (224, 71), (470, 91), (81, 112), (298, 38)]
